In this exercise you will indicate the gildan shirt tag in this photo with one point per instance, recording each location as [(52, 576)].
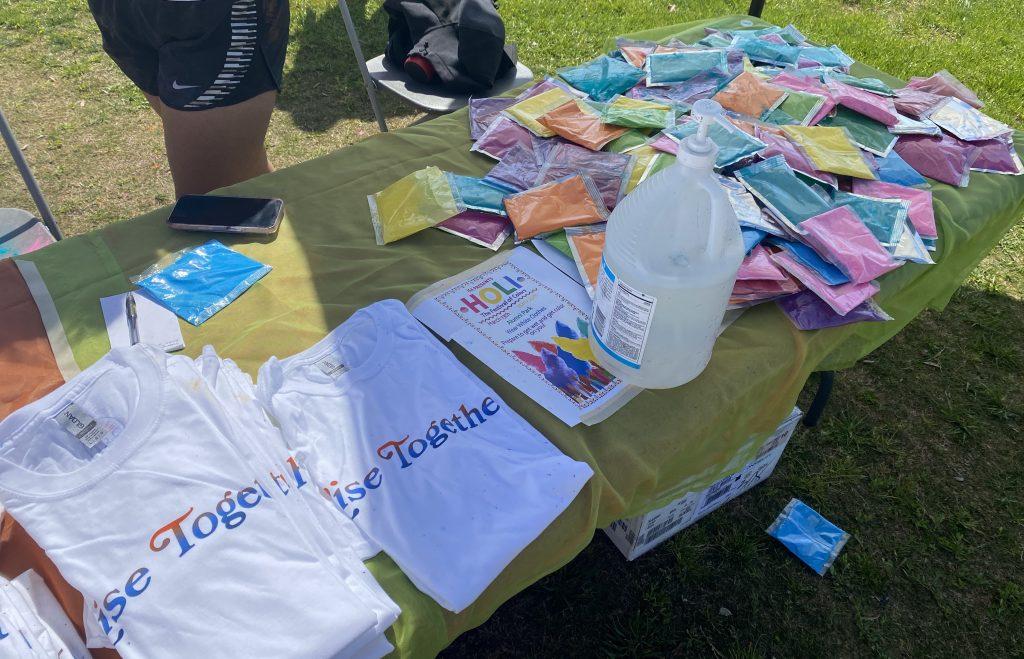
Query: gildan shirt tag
[(83, 426), (331, 365)]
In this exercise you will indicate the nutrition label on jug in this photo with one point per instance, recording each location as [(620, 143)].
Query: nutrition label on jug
[(622, 317)]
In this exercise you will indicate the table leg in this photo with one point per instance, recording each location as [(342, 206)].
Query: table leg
[(821, 397)]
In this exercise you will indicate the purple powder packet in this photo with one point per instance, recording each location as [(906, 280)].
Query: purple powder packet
[(996, 156), (501, 136), (943, 158), (609, 171), (810, 312), (518, 169), (484, 229), (483, 111)]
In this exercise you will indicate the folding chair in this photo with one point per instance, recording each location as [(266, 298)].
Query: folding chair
[(380, 72), (14, 221)]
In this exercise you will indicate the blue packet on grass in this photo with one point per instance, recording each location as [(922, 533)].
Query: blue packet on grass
[(201, 280), (815, 540)]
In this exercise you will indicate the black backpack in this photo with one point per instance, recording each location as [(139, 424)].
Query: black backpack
[(464, 40)]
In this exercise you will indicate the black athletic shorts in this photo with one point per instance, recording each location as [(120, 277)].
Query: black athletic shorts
[(196, 54)]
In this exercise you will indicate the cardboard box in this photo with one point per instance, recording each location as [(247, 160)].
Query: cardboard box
[(635, 536)]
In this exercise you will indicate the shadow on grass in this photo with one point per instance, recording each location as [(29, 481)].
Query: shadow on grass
[(323, 84), (917, 456)]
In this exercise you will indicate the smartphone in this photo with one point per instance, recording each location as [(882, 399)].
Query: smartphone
[(226, 214)]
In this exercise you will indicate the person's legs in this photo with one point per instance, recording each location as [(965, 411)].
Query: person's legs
[(211, 71), (218, 146), (155, 103)]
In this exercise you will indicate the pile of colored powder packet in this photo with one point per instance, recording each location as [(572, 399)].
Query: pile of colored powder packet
[(825, 170)]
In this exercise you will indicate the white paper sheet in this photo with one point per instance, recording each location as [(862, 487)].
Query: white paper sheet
[(529, 322), (157, 326)]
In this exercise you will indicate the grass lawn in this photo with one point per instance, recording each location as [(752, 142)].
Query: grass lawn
[(919, 456)]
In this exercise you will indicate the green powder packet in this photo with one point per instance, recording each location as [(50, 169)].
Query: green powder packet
[(865, 132)]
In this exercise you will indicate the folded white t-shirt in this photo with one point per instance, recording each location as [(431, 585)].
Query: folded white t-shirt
[(422, 456), (134, 487), (335, 535), (32, 622), (234, 388)]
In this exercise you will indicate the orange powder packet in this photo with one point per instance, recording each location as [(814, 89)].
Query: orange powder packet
[(587, 246), (568, 202), (747, 94), (578, 123)]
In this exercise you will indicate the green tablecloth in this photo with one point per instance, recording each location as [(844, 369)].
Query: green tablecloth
[(659, 446)]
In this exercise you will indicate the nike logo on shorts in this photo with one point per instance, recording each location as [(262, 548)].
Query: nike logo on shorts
[(177, 87)]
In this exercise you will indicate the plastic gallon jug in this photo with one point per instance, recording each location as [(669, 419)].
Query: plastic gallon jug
[(672, 250)]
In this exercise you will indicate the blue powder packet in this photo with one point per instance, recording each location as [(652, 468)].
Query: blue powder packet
[(894, 169), (478, 194), (806, 255), (751, 237), (733, 144), (773, 182), (884, 217), (815, 540), (202, 280), (768, 52), (603, 77)]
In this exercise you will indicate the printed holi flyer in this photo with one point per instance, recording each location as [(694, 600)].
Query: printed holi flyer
[(529, 322)]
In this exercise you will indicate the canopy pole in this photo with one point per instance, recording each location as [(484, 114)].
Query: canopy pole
[(371, 89), (30, 180)]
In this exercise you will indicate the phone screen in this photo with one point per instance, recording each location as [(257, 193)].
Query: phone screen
[(236, 214)]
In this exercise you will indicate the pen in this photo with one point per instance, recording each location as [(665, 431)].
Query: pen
[(133, 318)]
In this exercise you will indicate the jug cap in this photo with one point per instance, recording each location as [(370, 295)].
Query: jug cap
[(699, 148)]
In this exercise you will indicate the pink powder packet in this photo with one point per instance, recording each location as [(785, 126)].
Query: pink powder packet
[(664, 143), (758, 266), (752, 291), (921, 213), (501, 136), (915, 102), (944, 83), (942, 158), (879, 108), (841, 238), (780, 145), (484, 229), (842, 298)]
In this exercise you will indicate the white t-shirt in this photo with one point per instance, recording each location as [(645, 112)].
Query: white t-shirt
[(32, 623), (131, 479), (423, 457), (335, 535)]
